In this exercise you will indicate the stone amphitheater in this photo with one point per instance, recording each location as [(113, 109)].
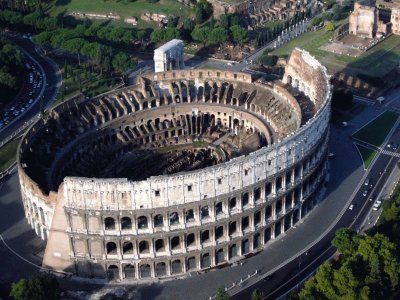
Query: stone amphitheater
[(184, 171)]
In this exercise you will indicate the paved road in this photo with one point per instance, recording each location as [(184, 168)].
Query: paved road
[(53, 78)]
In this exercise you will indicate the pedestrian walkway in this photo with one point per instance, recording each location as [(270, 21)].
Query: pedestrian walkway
[(391, 153)]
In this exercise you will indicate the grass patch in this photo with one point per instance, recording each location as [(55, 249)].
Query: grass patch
[(123, 8), (8, 154), (377, 61), (367, 155), (376, 131), (200, 144)]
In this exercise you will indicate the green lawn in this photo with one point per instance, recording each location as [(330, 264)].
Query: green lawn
[(377, 61), (367, 155), (7, 154), (310, 41), (376, 131), (123, 8)]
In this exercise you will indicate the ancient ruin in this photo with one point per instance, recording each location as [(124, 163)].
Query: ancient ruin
[(169, 56), (259, 12), (184, 171)]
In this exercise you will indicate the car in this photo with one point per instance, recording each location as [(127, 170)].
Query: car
[(12, 108), (394, 147), (367, 181), (351, 206), (389, 145), (331, 155), (365, 193), (371, 199), (378, 202), (376, 206)]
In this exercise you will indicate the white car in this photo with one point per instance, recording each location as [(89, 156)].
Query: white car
[(351, 206), (376, 206)]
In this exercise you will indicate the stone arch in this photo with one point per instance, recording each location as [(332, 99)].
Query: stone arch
[(129, 271), (189, 215), (144, 247), (145, 271), (176, 242), (173, 218), (232, 251), (176, 266), (205, 261), (158, 221), (111, 248), (142, 222), (191, 263), (190, 240), (112, 272), (109, 223), (126, 223), (127, 248), (205, 236), (219, 256), (161, 269), (159, 245)]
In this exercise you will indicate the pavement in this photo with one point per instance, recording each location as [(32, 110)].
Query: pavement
[(53, 81)]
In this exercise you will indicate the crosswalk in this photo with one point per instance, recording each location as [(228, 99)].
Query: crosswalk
[(395, 154)]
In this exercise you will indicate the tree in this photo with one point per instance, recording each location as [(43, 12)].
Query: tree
[(74, 45), (200, 34), (269, 60), (221, 294), (345, 240), (157, 36), (173, 21), (329, 26), (218, 36), (40, 287), (224, 21), (121, 62), (43, 38), (239, 34), (256, 295)]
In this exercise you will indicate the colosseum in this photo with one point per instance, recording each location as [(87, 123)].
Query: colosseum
[(184, 171)]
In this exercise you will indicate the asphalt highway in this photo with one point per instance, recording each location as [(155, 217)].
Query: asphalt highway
[(53, 79)]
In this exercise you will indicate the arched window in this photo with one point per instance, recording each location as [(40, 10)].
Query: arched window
[(126, 223), (142, 222), (109, 223), (145, 271), (173, 218), (176, 267), (129, 271), (161, 269), (190, 240), (159, 245), (127, 248), (158, 221), (111, 248), (175, 243), (144, 247), (112, 272)]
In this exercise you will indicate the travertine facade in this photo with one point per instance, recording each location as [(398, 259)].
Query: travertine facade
[(363, 21), (188, 217), (169, 56), (395, 20)]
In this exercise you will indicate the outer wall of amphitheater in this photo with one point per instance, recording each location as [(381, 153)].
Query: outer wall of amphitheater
[(170, 225)]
